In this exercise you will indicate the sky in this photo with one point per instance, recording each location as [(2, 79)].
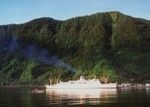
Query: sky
[(20, 11)]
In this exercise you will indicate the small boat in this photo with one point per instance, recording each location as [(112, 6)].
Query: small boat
[(147, 84), (81, 84), (125, 85), (38, 91)]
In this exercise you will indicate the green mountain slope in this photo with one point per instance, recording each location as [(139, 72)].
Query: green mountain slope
[(110, 46)]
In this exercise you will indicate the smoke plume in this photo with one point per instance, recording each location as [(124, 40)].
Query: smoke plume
[(34, 52)]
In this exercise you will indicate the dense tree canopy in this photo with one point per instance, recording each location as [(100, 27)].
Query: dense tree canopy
[(110, 46)]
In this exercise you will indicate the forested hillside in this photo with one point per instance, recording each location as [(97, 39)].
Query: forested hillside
[(110, 46)]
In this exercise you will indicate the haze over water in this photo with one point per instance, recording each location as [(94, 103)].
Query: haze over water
[(26, 97)]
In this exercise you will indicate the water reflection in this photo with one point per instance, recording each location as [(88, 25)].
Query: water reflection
[(147, 90), (25, 97), (81, 96)]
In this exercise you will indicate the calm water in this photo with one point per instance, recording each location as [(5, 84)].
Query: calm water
[(26, 97)]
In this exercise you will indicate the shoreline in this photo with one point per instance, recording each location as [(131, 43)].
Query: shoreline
[(26, 86), (120, 86)]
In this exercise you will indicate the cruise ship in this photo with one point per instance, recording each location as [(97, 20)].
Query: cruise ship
[(81, 84)]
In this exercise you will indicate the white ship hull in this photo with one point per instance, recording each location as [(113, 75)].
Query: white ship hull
[(81, 84)]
